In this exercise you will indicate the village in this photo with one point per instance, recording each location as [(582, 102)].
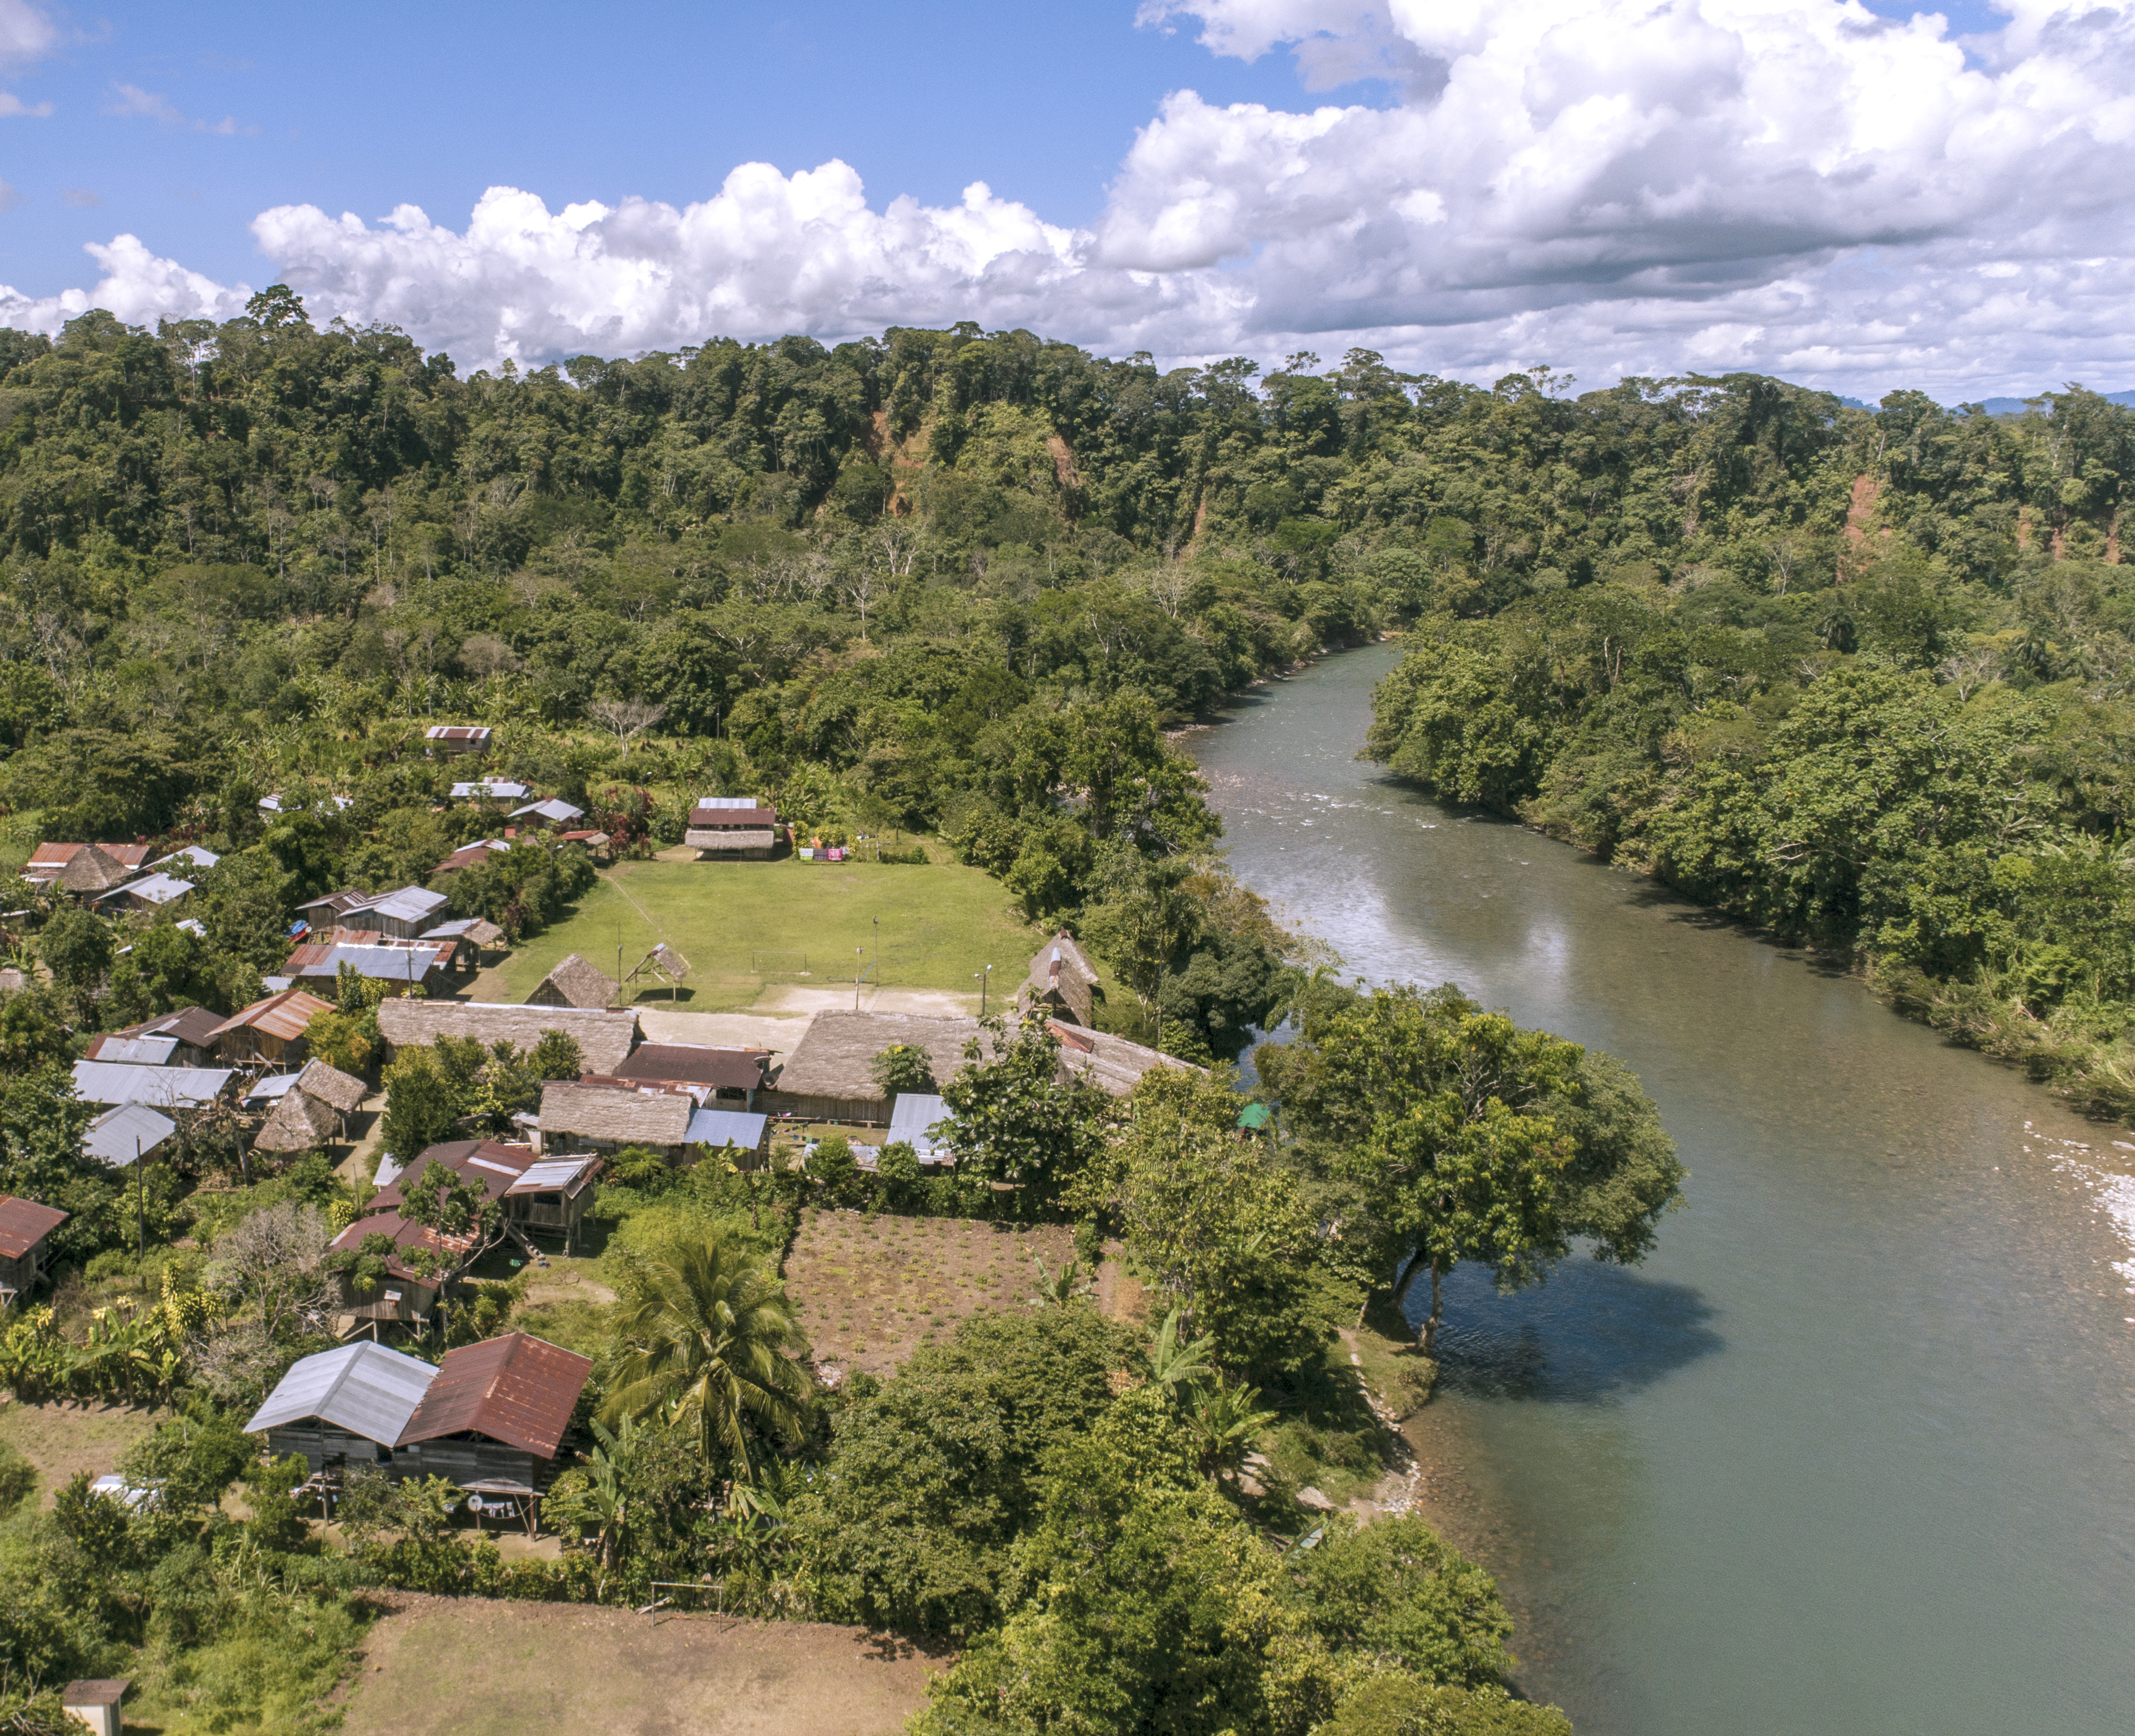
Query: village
[(754, 1090)]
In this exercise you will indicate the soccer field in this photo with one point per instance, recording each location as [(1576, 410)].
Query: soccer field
[(748, 925)]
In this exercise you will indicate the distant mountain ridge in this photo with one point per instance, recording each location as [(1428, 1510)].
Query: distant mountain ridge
[(1998, 406)]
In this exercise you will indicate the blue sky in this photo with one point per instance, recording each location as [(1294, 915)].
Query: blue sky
[(1614, 201)]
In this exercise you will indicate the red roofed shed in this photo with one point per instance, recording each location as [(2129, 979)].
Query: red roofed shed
[(496, 1414)]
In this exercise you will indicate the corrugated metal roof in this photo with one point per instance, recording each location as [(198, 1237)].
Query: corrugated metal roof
[(53, 855), (685, 1063), (134, 1051), (403, 963), (911, 1116), (193, 1025), (496, 1166), (99, 1081), (287, 1014), (722, 1126), (270, 1088), (553, 1174), (554, 809), (458, 731), (410, 904), (495, 789), (722, 814), (24, 1223), (362, 1389), (155, 888), (518, 1389), (193, 855), (112, 1136)]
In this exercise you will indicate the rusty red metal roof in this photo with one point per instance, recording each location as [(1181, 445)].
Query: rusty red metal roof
[(735, 1070), (404, 1234), (733, 818), (286, 1015), (24, 1223), (53, 855), (495, 1165), (518, 1389)]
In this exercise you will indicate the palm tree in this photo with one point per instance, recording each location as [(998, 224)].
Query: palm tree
[(706, 1341)]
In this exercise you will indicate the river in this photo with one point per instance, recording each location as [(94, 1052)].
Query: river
[(1854, 1451)]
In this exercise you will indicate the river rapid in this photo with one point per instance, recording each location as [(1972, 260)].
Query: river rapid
[(1855, 1450)]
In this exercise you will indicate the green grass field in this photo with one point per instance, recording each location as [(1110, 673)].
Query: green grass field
[(937, 925)]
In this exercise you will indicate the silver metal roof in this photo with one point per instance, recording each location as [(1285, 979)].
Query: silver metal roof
[(363, 1388), (271, 1088), (101, 1082), (111, 1136), (716, 1126), (551, 1173), (137, 1052), (911, 1117)]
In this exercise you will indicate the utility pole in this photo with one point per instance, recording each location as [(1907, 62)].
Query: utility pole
[(141, 1177), (860, 970), (985, 980)]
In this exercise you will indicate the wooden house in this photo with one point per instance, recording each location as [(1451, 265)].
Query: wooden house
[(547, 1195), (732, 828), (84, 868), (127, 1134), (148, 894), (192, 1028), (164, 1087), (343, 1406), (458, 741), (1063, 981), (400, 915), (404, 1296), (404, 965), (604, 1037), (576, 982), (576, 1116), (272, 1031), (545, 816), (495, 1417), (830, 1076), (746, 1136), (707, 1072), (25, 1252), (313, 1111)]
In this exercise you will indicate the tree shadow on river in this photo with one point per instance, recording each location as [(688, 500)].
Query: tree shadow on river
[(1592, 1332)]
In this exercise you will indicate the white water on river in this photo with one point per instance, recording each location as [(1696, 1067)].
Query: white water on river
[(1855, 1451)]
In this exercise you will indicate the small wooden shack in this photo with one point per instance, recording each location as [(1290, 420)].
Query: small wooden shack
[(193, 1029), (25, 1229), (342, 1406), (312, 1111), (456, 741), (404, 1296), (270, 1031), (576, 982)]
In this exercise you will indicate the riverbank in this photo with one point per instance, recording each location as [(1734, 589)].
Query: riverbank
[(1887, 1342)]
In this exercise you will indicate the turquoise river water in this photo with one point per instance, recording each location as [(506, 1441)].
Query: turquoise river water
[(1855, 1450)]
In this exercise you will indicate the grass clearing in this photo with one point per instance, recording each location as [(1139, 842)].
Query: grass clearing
[(60, 1439), (869, 1291), (938, 924), (468, 1666)]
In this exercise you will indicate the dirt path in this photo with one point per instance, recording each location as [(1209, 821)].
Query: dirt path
[(450, 1667)]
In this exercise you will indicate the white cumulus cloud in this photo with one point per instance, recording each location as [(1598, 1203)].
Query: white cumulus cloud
[(1614, 186), (26, 33), (135, 285)]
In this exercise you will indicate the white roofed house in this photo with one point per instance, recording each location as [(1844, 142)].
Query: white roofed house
[(490, 789), (128, 1133), (454, 740), (151, 892), (920, 1119), (553, 812)]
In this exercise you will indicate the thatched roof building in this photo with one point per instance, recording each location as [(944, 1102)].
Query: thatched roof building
[(1062, 980), (576, 982), (1110, 1063), (298, 1122), (830, 1076), (605, 1038), (609, 1117), (343, 1092)]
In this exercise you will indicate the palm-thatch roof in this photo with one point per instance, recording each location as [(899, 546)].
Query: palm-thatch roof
[(663, 961), (1110, 1063), (605, 1038), (93, 870), (576, 982), (1061, 979), (300, 1122), (836, 1056), (614, 1116), (340, 1091)]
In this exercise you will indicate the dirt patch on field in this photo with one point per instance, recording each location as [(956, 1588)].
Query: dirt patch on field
[(61, 1440), (444, 1666), (869, 1292)]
